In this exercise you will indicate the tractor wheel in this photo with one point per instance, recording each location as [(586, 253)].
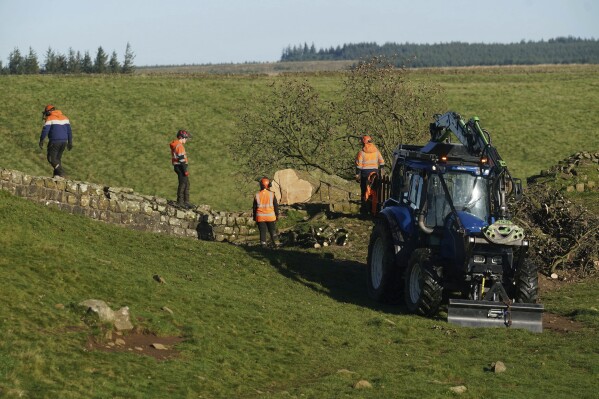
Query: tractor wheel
[(526, 287), (423, 291), (384, 275)]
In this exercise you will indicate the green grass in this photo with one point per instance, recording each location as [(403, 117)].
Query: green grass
[(122, 124), (256, 324), (536, 115)]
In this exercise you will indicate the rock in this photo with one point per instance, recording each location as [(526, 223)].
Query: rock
[(554, 276), (122, 320), (290, 189), (168, 310), (498, 367), (160, 347), (159, 279), (362, 384), (119, 342), (460, 389), (100, 308)]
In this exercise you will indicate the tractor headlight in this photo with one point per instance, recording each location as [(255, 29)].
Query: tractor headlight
[(478, 259), (496, 260)]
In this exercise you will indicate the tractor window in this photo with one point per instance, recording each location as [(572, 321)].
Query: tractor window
[(437, 206), (468, 193), (399, 179), (415, 190)]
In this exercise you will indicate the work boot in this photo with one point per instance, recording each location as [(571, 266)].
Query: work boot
[(263, 244), (189, 205)]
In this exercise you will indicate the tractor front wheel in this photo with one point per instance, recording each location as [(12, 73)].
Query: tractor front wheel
[(423, 292)]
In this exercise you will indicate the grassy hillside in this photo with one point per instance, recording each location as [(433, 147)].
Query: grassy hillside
[(255, 324), (122, 124)]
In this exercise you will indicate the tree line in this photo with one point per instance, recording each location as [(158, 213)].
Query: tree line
[(561, 50), (71, 63)]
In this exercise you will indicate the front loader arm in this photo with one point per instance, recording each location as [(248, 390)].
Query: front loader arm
[(453, 122)]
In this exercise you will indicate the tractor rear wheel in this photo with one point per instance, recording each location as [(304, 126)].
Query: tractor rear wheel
[(384, 284), (526, 281), (423, 291)]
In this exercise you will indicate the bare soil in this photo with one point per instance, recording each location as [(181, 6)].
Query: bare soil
[(140, 343)]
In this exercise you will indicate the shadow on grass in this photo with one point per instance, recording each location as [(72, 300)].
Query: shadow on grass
[(341, 279)]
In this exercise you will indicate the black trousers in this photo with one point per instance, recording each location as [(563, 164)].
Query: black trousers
[(364, 205), (183, 188), (55, 150), (364, 181), (272, 229)]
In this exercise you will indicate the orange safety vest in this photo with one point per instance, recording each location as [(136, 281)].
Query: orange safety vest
[(369, 157), (265, 209), (178, 155)]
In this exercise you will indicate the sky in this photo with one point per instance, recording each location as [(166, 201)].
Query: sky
[(177, 32)]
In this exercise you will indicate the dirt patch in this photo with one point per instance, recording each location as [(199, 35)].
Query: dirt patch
[(554, 322), (160, 348)]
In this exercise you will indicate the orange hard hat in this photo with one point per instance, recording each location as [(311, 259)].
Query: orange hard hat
[(49, 108), (264, 182), (366, 139)]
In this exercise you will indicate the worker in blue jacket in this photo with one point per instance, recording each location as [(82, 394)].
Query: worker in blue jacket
[(58, 129)]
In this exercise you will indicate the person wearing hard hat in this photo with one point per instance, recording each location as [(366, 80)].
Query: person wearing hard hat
[(180, 165), (266, 212), (58, 129), (368, 160)]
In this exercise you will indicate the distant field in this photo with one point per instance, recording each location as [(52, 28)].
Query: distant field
[(122, 124), (268, 68)]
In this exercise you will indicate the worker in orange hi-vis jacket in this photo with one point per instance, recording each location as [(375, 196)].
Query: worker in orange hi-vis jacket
[(57, 128), (266, 212), (180, 165), (368, 160)]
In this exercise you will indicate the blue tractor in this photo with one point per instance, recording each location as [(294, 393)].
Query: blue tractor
[(445, 232)]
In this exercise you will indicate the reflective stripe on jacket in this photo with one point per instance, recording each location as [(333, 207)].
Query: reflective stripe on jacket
[(178, 155), (265, 208), (369, 157), (57, 127)]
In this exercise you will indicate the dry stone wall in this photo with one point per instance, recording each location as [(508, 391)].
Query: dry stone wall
[(122, 206)]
